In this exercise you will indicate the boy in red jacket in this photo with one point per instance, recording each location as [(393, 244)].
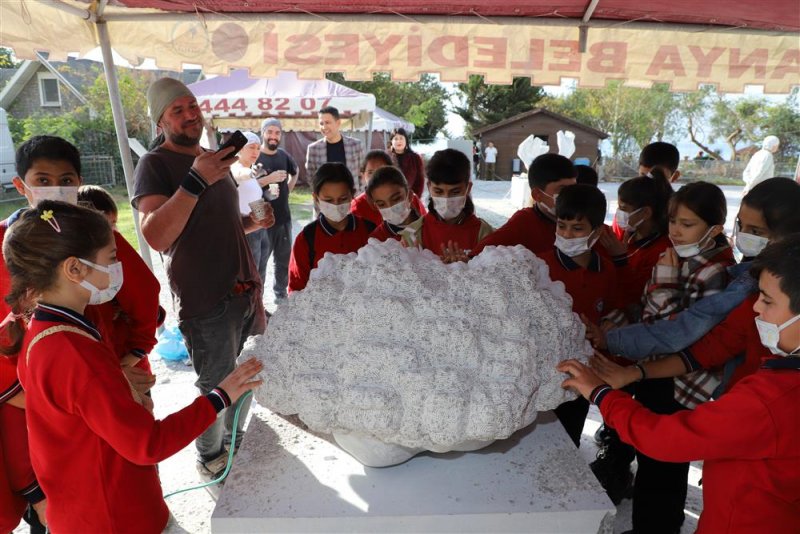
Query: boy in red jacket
[(748, 438), (589, 278), (535, 228)]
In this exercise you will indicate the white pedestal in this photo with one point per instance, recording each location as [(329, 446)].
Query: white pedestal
[(288, 480), (520, 191)]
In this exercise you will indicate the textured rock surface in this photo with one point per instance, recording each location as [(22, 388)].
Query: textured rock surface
[(391, 344)]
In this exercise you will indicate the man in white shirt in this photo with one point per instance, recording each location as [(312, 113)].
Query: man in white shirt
[(490, 158), (761, 166)]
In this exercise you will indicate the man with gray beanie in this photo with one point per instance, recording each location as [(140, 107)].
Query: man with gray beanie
[(189, 210), (279, 168)]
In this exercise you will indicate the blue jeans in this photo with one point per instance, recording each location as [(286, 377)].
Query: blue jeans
[(277, 242), (214, 341)]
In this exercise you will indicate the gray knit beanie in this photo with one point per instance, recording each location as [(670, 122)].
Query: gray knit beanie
[(266, 123), (162, 93)]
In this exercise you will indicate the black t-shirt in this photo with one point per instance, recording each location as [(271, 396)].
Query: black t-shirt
[(279, 161), (336, 152)]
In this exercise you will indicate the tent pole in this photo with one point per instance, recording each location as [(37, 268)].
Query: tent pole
[(121, 130)]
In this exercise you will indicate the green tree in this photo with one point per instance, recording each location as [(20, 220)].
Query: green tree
[(7, 59), (485, 104), (421, 103), (633, 117), (783, 120), (133, 92), (692, 108), (737, 121)]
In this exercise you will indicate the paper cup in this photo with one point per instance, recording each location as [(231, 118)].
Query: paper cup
[(258, 208)]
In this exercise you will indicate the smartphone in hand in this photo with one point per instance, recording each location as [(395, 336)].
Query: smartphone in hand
[(237, 140)]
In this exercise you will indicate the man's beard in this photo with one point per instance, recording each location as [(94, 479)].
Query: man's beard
[(272, 146), (184, 140)]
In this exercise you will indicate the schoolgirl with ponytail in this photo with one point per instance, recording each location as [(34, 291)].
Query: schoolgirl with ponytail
[(85, 422)]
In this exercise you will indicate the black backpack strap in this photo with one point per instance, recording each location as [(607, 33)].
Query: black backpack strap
[(309, 232)]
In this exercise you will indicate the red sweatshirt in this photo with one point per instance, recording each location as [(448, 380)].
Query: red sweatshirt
[(735, 335), (528, 227), (94, 448), (637, 266), (593, 289), (326, 239), (360, 206), (12, 505), (748, 441), (432, 233)]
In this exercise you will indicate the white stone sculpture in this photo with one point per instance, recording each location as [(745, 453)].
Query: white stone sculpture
[(394, 352)]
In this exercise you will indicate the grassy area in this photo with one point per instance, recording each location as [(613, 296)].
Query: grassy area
[(300, 203)]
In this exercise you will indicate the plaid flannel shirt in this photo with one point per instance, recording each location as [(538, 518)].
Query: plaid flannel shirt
[(673, 289), (317, 155)]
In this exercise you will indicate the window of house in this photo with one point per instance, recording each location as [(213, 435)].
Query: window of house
[(49, 93)]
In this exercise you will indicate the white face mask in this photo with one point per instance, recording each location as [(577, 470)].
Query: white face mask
[(545, 207), (692, 249), (770, 334), (67, 194), (100, 296), (623, 220), (334, 212), (748, 244), (575, 246), (449, 207), (397, 213)]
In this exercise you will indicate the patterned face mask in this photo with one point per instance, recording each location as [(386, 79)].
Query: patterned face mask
[(100, 296)]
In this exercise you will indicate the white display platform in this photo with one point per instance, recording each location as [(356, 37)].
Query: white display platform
[(288, 480), (520, 191)]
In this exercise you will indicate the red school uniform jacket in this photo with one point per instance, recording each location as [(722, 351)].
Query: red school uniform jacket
[(12, 506), (735, 335), (387, 231), (636, 266), (528, 227), (360, 206), (94, 448), (748, 441), (593, 289), (128, 323), (326, 239), (432, 233)]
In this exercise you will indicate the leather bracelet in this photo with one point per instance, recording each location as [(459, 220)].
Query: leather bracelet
[(193, 183), (640, 367)]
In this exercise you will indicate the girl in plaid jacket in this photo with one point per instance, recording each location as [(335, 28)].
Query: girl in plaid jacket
[(694, 267)]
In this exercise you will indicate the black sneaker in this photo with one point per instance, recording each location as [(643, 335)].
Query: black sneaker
[(614, 474)]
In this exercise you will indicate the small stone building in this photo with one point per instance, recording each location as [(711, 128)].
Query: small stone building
[(508, 134)]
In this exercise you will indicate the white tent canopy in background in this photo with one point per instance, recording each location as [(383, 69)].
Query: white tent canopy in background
[(238, 100)]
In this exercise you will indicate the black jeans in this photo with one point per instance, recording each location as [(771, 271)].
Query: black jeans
[(659, 490)]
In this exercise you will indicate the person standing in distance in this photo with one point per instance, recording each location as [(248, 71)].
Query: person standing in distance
[(279, 168), (762, 165), (490, 158), (334, 147), (189, 210)]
